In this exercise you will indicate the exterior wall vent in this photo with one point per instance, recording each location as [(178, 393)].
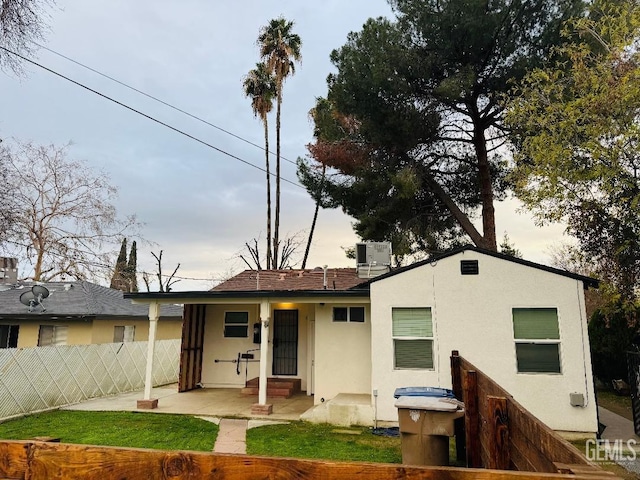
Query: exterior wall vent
[(469, 267)]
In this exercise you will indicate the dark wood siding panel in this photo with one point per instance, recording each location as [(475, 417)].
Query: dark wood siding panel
[(191, 349)]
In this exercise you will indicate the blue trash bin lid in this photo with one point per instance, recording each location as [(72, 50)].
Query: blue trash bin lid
[(423, 392)]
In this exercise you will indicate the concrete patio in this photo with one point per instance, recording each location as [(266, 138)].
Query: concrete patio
[(210, 402)]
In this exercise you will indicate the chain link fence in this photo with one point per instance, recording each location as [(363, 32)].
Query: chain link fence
[(33, 379)]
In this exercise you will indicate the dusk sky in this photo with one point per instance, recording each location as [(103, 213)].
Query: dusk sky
[(198, 205)]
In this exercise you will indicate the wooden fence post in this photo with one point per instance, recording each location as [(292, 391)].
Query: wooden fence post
[(456, 381), (499, 456), (472, 419)]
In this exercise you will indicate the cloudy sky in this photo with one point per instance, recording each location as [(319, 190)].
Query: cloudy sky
[(197, 204)]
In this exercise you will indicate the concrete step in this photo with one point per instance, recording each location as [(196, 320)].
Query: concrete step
[(272, 392), (344, 409), (294, 384)]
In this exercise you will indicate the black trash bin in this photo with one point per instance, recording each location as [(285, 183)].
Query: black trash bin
[(425, 417)]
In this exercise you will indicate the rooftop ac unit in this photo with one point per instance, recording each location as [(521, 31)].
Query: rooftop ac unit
[(373, 253)]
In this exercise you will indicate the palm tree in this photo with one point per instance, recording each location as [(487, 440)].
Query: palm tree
[(279, 48), (259, 85)]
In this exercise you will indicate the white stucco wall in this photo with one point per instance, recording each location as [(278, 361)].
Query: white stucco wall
[(473, 314), (216, 346), (342, 352)]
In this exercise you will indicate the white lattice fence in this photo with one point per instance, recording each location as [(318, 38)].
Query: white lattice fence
[(33, 379)]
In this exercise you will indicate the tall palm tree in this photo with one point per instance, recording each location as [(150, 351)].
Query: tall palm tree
[(279, 48), (260, 86)]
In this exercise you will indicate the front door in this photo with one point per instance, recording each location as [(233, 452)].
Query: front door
[(285, 342)]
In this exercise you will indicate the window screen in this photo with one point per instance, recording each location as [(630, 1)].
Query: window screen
[(236, 324), (340, 314), (348, 314), (412, 332), (52, 335), (124, 333), (537, 336)]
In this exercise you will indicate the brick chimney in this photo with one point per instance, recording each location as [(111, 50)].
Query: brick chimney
[(8, 270)]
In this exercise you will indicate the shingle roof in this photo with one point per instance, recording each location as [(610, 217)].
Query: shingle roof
[(338, 279), (77, 299)]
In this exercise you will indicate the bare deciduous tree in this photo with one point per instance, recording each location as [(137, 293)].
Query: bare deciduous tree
[(7, 201), (64, 224), (22, 22), (165, 285), (286, 250)]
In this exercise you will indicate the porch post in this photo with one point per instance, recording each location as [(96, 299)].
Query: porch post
[(262, 408), (147, 401)]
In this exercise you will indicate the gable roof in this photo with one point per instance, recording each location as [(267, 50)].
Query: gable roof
[(587, 281), (343, 282), (338, 279), (79, 299)]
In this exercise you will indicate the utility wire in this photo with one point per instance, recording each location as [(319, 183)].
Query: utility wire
[(149, 117), (195, 117), (103, 266)]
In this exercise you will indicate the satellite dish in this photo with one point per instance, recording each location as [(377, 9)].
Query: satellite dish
[(26, 298), (34, 297), (40, 290)]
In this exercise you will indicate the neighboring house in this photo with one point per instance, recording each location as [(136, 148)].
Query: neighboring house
[(75, 313), (522, 323)]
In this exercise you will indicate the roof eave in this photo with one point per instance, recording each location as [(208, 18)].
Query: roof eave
[(587, 281), (246, 294)]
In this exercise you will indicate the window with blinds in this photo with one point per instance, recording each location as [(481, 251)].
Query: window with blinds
[(537, 336), (52, 335), (124, 333), (412, 332)]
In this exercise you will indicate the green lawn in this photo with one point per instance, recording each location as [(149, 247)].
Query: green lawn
[(619, 404), (322, 441), (121, 429), (611, 467)]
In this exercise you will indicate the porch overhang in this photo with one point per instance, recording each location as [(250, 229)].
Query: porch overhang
[(266, 299), (205, 297)]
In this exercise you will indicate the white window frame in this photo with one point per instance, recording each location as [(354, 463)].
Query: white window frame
[(402, 338), (537, 341), (225, 324), (348, 320)]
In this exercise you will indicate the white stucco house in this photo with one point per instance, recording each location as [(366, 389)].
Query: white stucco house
[(522, 323)]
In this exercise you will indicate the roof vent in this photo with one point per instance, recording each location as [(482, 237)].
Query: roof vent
[(469, 267)]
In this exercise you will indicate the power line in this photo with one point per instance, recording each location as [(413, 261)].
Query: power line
[(156, 99), (153, 275), (149, 117)]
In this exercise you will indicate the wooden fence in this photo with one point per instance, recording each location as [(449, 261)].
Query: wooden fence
[(499, 433), (56, 461)]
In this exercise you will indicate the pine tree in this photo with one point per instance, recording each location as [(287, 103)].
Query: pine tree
[(120, 271), (132, 268)]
